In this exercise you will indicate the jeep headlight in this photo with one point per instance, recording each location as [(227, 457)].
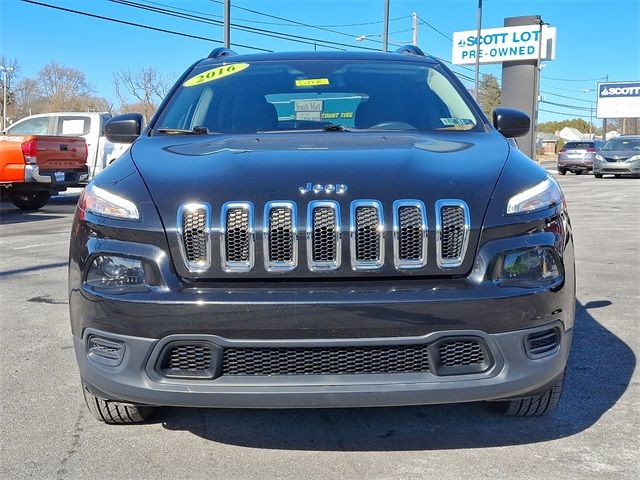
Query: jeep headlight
[(545, 194), (599, 157), (101, 202), (113, 272), (633, 159)]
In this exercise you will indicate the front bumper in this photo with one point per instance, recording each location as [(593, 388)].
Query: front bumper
[(325, 313), (617, 168), (512, 373)]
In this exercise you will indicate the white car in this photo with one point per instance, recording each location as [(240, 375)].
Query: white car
[(89, 125)]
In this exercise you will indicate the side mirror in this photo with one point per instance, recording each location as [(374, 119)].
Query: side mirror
[(123, 128), (511, 123)]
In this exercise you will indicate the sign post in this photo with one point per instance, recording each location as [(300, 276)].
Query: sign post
[(520, 46)]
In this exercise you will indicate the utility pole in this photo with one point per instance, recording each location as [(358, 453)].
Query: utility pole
[(385, 32), (227, 23), (4, 99), (479, 26), (5, 70), (536, 99), (414, 15), (604, 120)]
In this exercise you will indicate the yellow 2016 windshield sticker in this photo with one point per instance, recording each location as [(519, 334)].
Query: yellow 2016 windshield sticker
[(311, 82), (215, 74)]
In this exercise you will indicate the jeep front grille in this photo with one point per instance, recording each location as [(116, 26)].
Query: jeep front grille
[(194, 231), (237, 237), (323, 235), (367, 235), (452, 232), (324, 249), (280, 236), (409, 234)]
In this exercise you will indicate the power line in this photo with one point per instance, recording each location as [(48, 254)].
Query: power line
[(562, 113), (255, 30), (281, 24), (566, 96), (575, 80), (434, 28), (573, 107), (294, 22), (139, 25)]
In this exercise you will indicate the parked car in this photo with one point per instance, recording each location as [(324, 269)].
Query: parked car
[(88, 125), (408, 255), (32, 167), (577, 157), (619, 157)]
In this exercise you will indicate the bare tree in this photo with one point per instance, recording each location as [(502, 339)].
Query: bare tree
[(26, 100), (10, 67), (63, 88), (141, 90)]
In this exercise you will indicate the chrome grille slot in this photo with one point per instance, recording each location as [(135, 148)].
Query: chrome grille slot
[(280, 237), (323, 235), (367, 235), (194, 235), (452, 232), (237, 237), (409, 234)]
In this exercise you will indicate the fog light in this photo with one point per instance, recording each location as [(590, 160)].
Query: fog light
[(105, 351), (526, 268), (113, 272)]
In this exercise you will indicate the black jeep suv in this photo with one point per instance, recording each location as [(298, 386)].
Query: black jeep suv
[(320, 230)]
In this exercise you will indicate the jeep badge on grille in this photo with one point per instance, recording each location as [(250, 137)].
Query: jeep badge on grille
[(328, 188)]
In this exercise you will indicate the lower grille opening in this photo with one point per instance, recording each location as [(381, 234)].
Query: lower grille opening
[(541, 344), (461, 356), (325, 360), (187, 360)]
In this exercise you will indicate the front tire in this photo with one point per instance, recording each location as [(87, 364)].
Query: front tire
[(29, 200), (116, 413), (562, 171), (534, 406), (597, 175)]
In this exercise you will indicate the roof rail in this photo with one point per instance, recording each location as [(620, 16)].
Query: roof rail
[(410, 50), (221, 52)]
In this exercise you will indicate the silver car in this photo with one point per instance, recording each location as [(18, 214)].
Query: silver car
[(578, 157), (620, 156)]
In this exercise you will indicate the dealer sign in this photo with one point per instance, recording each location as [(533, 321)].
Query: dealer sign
[(505, 44), (618, 100)]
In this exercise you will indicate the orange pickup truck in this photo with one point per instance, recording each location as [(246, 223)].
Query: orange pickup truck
[(32, 167)]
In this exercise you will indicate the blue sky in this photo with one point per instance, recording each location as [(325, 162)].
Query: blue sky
[(595, 37)]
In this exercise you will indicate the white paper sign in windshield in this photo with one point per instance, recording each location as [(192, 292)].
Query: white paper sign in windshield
[(504, 44), (618, 100)]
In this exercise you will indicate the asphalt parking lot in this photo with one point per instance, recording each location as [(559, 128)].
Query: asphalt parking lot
[(46, 431)]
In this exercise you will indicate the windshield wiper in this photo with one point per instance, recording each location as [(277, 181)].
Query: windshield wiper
[(332, 127), (179, 131)]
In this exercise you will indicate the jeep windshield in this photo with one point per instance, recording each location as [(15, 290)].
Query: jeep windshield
[(312, 95)]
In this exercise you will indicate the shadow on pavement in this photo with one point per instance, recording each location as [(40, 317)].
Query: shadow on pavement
[(600, 368), (58, 207), (34, 268)]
